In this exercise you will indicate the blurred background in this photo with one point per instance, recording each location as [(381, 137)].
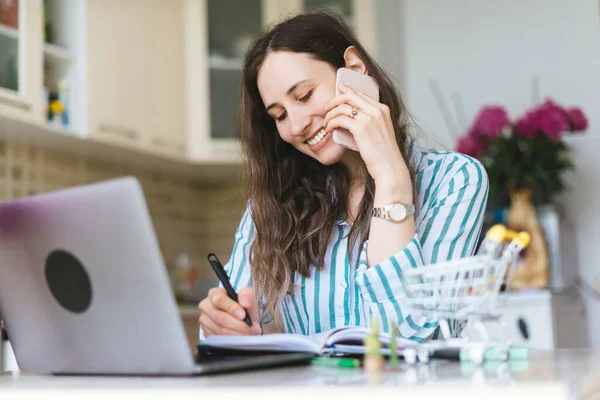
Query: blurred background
[(95, 89)]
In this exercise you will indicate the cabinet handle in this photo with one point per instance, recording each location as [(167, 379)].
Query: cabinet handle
[(119, 131), (160, 142), (15, 103)]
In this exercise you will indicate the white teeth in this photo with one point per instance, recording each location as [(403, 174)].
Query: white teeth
[(317, 138)]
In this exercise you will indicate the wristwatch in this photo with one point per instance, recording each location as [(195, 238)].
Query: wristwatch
[(395, 211)]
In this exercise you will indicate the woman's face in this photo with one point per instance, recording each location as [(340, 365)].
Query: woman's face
[(295, 88)]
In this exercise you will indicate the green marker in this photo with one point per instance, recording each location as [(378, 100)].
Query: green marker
[(336, 362)]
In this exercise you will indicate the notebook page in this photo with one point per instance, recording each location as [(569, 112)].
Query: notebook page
[(277, 341), (356, 335)]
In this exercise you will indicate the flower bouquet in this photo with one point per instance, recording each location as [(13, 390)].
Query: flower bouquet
[(525, 161), (527, 153)]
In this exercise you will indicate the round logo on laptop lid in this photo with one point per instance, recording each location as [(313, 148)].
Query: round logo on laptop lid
[(68, 281)]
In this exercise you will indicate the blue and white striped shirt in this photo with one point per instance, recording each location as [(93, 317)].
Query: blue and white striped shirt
[(452, 193)]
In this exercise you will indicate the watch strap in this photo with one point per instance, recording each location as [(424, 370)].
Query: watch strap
[(383, 211)]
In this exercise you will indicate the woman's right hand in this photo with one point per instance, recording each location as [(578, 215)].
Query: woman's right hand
[(220, 315)]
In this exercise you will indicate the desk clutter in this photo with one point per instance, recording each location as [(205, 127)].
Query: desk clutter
[(372, 349), (450, 294)]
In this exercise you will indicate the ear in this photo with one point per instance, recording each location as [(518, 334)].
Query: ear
[(353, 60)]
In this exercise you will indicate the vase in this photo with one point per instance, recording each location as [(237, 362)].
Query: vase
[(531, 269), (562, 249)]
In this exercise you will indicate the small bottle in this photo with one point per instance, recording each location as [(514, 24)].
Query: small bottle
[(56, 111), (63, 97), (181, 278), (373, 360)]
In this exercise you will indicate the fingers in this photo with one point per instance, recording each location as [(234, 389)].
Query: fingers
[(221, 315), (342, 121), (354, 98), (347, 89), (248, 301), (220, 321), (342, 109), (222, 302), (211, 327)]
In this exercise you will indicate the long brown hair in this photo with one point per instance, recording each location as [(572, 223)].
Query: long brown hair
[(294, 199)]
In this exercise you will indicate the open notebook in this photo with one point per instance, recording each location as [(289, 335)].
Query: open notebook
[(344, 339)]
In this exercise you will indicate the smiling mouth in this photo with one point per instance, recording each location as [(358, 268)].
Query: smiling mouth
[(317, 138)]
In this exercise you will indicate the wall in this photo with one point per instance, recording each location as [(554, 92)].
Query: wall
[(482, 51)]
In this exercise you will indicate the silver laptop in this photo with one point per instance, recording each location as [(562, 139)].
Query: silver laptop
[(84, 289)]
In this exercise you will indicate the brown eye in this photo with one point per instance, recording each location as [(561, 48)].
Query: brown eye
[(280, 117), (306, 97)]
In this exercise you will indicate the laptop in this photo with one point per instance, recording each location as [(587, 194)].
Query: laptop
[(84, 289)]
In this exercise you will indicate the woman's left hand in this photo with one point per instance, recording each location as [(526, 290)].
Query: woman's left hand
[(372, 130)]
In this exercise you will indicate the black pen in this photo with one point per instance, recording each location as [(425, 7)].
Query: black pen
[(222, 275)]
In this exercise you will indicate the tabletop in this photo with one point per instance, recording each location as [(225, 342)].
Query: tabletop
[(560, 374)]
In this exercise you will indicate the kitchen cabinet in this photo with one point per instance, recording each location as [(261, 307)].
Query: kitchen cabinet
[(20, 59), (152, 76), (135, 72), (42, 63), (104, 70)]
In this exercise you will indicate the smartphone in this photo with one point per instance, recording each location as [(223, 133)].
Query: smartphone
[(359, 82)]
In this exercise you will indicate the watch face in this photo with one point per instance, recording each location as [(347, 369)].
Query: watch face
[(397, 212)]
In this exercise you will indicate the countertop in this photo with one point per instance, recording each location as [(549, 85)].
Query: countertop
[(560, 374)]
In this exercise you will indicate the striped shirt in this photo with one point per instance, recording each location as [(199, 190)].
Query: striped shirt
[(452, 193)]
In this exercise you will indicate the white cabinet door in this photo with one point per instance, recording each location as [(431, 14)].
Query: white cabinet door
[(21, 60), (135, 64), (163, 100), (116, 78)]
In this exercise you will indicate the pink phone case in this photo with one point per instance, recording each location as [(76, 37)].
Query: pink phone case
[(362, 83)]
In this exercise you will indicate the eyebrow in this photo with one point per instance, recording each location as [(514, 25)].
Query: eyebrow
[(289, 91)]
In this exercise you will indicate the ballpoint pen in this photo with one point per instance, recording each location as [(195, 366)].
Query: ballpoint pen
[(222, 275)]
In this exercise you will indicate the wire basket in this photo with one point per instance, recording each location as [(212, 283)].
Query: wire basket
[(468, 288)]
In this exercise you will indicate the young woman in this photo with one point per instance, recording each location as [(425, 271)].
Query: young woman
[(315, 248)]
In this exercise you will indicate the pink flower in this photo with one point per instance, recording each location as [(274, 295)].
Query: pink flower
[(528, 125), (549, 118), (490, 122), (553, 120), (471, 146), (578, 119)]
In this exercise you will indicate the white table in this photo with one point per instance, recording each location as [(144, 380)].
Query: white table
[(560, 374)]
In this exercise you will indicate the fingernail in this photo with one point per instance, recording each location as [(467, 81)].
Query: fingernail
[(239, 314)]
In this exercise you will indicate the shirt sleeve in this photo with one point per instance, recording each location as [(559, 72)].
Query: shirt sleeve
[(238, 266), (449, 230)]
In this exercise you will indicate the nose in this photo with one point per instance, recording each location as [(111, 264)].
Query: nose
[(299, 122)]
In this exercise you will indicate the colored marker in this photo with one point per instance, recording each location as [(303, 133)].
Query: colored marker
[(336, 362)]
